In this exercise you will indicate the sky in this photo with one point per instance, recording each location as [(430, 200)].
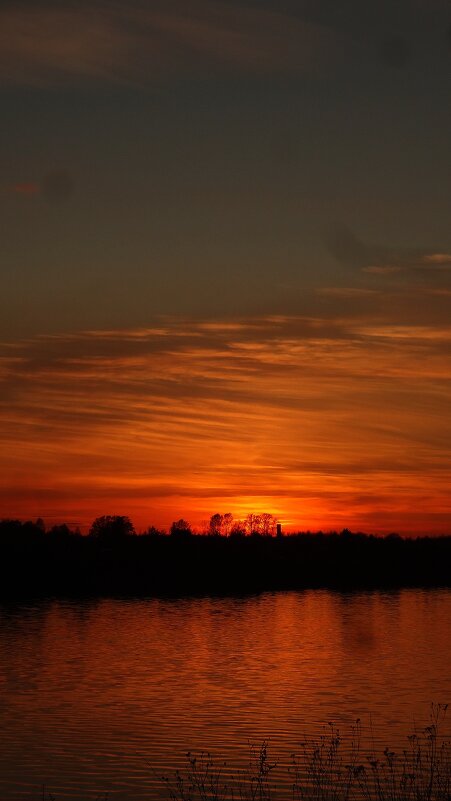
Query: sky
[(225, 261)]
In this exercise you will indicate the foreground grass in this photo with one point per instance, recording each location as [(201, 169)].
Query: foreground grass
[(329, 768)]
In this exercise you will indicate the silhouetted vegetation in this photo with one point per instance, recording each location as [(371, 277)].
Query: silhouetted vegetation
[(181, 528), (328, 768), (112, 528), (228, 557)]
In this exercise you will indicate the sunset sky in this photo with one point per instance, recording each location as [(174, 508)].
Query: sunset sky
[(225, 261)]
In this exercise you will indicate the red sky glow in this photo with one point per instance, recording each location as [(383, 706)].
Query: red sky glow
[(324, 426)]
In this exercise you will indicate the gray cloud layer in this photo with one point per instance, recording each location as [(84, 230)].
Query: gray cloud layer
[(50, 44)]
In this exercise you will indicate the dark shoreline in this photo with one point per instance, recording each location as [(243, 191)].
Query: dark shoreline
[(36, 564)]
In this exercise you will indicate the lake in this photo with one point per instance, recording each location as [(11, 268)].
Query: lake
[(107, 695)]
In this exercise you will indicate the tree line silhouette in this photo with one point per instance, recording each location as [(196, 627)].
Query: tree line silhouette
[(228, 555), (112, 527)]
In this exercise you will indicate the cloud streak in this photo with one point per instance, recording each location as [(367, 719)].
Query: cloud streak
[(352, 251)]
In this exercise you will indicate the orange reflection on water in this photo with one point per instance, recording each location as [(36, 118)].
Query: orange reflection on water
[(110, 695)]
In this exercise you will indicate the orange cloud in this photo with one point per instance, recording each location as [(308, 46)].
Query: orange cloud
[(438, 258), (324, 427)]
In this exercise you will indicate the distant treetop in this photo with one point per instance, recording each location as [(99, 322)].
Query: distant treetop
[(111, 528), (181, 528)]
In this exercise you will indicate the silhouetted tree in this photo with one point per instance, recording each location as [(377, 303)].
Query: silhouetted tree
[(268, 524), (111, 528), (238, 529), (227, 523), (251, 523), (61, 532), (180, 528), (33, 531), (214, 528), (153, 532)]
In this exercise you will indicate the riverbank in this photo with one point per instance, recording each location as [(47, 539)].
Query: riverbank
[(39, 564)]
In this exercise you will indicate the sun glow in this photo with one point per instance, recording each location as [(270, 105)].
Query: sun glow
[(265, 415)]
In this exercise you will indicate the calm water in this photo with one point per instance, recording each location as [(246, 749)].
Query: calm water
[(104, 696)]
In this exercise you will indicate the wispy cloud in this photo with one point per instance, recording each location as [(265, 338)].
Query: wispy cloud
[(347, 292), (442, 259), (43, 44), (352, 251), (412, 261), (382, 269), (323, 424)]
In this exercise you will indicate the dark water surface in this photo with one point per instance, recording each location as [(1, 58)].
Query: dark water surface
[(106, 695)]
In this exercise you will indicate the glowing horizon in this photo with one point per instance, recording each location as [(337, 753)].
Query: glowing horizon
[(320, 422)]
